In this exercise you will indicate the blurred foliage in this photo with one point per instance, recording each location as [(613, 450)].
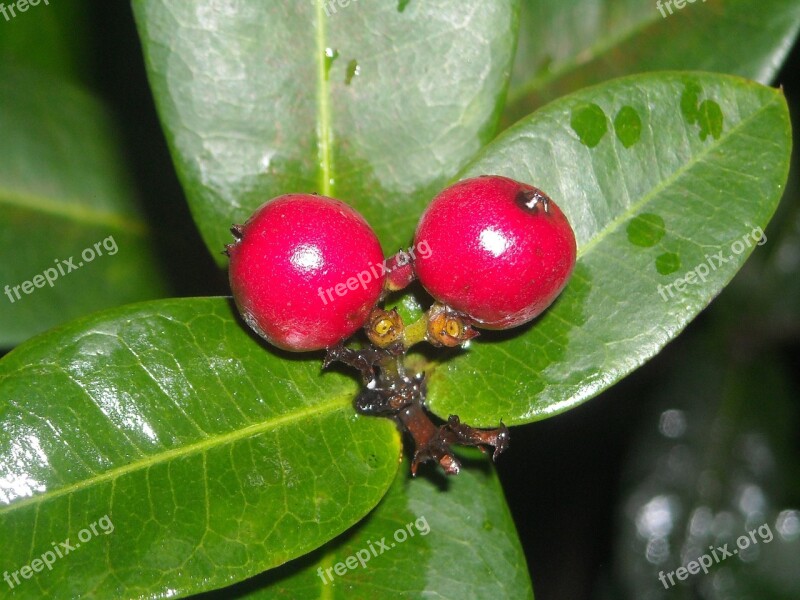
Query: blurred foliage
[(570, 44), (64, 182), (716, 460), (54, 39)]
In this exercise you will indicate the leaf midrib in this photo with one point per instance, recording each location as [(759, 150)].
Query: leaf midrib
[(73, 212), (200, 447), (323, 105), (431, 366)]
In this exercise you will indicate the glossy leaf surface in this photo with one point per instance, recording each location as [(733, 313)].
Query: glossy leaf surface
[(464, 546), (375, 103), (213, 458), (659, 175)]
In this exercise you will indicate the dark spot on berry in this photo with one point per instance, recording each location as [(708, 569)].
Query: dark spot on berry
[(533, 200)]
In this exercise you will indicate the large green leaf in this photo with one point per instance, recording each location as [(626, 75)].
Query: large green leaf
[(62, 191), (657, 173), (570, 44), (213, 458), (464, 545), (378, 103)]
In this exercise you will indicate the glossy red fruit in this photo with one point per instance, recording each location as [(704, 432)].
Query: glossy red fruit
[(500, 250), (305, 271)]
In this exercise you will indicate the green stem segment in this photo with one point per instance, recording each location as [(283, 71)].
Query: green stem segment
[(416, 332)]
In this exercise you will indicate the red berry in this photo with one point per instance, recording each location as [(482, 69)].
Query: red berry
[(305, 271), (500, 250)]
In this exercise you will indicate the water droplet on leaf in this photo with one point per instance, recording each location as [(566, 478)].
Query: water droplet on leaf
[(667, 263), (710, 118), (689, 100), (646, 230), (628, 126), (708, 114), (590, 123), (352, 71), (330, 56)]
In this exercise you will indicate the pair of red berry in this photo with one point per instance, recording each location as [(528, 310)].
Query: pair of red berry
[(307, 270)]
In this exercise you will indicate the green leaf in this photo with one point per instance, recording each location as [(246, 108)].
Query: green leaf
[(213, 458), (453, 539), (696, 183), (52, 36), (567, 45), (378, 104), (63, 192), (711, 465)]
